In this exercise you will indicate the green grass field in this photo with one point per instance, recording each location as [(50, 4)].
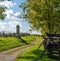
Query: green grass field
[(30, 39), (11, 42), (33, 54)]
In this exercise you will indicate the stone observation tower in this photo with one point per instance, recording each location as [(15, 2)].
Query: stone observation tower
[(17, 31)]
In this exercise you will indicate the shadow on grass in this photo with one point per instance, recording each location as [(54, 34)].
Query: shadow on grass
[(35, 56), (24, 41)]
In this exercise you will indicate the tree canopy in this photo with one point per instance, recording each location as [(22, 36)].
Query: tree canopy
[(2, 16), (2, 10), (43, 14)]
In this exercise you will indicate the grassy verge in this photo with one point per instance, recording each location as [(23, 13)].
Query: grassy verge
[(11, 42), (31, 39), (33, 54)]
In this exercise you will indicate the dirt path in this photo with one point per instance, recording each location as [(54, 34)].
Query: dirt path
[(10, 55)]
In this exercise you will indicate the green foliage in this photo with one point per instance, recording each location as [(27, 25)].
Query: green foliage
[(43, 15), (2, 10), (2, 16), (33, 54)]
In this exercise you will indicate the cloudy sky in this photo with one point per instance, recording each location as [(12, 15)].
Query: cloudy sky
[(11, 20)]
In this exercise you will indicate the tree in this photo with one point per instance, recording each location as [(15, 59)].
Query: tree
[(2, 10), (2, 16), (43, 15)]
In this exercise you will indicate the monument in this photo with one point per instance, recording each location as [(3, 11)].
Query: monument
[(17, 31)]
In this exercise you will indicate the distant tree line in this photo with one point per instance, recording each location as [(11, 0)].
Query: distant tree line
[(14, 34)]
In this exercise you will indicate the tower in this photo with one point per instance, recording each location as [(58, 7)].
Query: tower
[(17, 31)]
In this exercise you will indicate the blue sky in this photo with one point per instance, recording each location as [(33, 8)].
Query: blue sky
[(10, 22)]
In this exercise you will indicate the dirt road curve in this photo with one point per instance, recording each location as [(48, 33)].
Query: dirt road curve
[(10, 55)]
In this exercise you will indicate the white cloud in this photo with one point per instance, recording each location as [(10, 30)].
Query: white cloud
[(2, 26), (14, 23), (13, 16), (9, 26), (10, 15), (7, 4), (7, 12), (35, 32), (18, 13)]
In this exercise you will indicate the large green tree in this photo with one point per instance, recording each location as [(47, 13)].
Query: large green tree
[(43, 15), (2, 10)]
